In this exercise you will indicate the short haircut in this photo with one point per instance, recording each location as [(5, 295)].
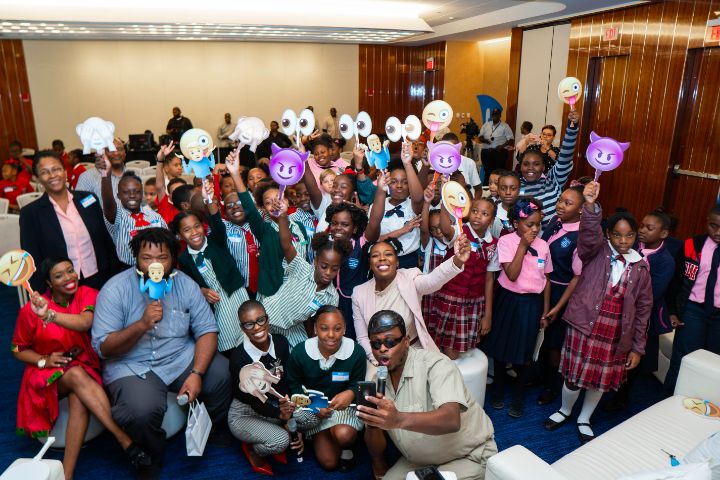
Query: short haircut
[(385, 320), (325, 309), (549, 127), (715, 210), (395, 164), (527, 126), (150, 182), (130, 175), (176, 180), (49, 263), (508, 173), (248, 305), (450, 137), (620, 214), (155, 236), (182, 194), (44, 154), (58, 142)]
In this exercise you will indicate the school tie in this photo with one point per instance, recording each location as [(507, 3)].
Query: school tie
[(253, 267), (712, 281), (554, 227), (139, 219), (532, 251), (199, 259), (395, 211), (618, 258)]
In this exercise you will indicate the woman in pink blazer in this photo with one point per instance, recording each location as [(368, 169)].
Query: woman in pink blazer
[(401, 290)]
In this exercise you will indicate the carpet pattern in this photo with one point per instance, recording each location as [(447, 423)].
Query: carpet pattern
[(103, 458)]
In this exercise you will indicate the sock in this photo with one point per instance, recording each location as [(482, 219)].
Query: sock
[(347, 455), (592, 398), (569, 397)]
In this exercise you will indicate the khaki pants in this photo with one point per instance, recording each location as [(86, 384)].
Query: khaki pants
[(471, 467)]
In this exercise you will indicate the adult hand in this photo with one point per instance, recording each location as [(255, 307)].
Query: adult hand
[(286, 408), (633, 359), (232, 162), (57, 360), (298, 444), (385, 415), (39, 305), (551, 153), (342, 400), (152, 315), (462, 250), (210, 295), (591, 192), (675, 321), (192, 386), (164, 151)]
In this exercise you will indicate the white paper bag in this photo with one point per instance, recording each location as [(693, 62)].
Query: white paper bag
[(538, 343), (197, 430)]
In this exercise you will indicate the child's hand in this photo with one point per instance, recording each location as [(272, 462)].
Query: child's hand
[(591, 192), (219, 169), (102, 164), (406, 154), (164, 151), (633, 359), (279, 206), (574, 118), (429, 193), (485, 324), (383, 181), (527, 239), (358, 156), (462, 250), (413, 224), (232, 162), (208, 190), (210, 295)]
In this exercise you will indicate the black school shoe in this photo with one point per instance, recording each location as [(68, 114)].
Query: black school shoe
[(346, 464), (138, 458), (552, 425), (517, 409), (150, 472), (584, 438), (547, 397)]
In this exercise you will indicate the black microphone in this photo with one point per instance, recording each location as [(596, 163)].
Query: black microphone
[(292, 428), (382, 373)]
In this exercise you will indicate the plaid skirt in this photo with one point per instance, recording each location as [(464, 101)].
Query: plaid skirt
[(593, 361), (454, 322)]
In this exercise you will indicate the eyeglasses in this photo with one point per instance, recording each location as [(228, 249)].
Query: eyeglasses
[(260, 321), (388, 342), (233, 204)]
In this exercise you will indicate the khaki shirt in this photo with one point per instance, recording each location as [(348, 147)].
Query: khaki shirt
[(430, 380)]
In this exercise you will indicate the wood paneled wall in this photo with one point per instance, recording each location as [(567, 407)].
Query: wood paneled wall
[(641, 78), (16, 115), (516, 39), (393, 80)]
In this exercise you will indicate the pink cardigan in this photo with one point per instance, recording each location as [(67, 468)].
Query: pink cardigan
[(412, 285)]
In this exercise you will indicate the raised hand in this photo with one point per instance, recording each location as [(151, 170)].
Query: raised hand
[(429, 193), (102, 164), (232, 162), (39, 305), (462, 250), (591, 192), (406, 154), (164, 151)]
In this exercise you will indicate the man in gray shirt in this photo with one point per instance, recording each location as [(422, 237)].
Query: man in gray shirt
[(150, 347)]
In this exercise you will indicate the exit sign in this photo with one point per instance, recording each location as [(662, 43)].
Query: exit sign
[(713, 31), (610, 34), (430, 63)]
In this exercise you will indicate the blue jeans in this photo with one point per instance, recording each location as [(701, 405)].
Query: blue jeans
[(701, 330)]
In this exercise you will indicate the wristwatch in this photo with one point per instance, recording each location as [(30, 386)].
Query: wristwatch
[(41, 363)]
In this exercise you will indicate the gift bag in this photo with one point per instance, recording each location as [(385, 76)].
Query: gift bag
[(197, 430)]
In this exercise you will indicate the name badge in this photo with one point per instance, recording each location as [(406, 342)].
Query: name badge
[(340, 376), (87, 201), (8, 189), (203, 268), (541, 263), (235, 238), (310, 231), (353, 263), (474, 246), (314, 305)]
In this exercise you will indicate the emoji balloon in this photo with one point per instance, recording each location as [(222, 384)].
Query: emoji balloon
[(298, 125), (197, 148), (16, 268), (361, 126), (156, 285), (605, 153), (409, 130), (569, 91), (444, 156), (456, 201), (437, 115), (377, 152), (250, 131), (96, 134), (287, 166)]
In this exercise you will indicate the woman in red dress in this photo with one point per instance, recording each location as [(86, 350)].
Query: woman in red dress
[(51, 339)]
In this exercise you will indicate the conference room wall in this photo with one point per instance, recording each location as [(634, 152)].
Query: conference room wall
[(135, 84)]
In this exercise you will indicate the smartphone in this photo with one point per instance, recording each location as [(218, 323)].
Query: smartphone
[(73, 353), (365, 389), (428, 473)]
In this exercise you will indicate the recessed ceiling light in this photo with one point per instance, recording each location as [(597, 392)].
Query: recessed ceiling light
[(451, 18)]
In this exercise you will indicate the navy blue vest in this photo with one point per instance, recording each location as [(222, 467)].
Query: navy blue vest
[(561, 252), (354, 270)]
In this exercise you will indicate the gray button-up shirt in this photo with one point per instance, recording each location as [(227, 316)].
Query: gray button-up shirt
[(167, 349)]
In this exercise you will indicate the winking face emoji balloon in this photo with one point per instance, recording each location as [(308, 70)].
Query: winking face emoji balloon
[(456, 200), (16, 268), (437, 115), (569, 91)]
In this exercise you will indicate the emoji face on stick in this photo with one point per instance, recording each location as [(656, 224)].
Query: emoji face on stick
[(569, 91), (16, 268), (456, 200), (437, 115)]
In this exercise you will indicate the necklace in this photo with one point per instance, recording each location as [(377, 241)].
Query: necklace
[(64, 305)]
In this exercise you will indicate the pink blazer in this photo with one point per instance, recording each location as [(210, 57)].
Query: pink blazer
[(412, 285)]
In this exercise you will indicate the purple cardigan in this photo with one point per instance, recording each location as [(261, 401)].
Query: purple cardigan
[(584, 305)]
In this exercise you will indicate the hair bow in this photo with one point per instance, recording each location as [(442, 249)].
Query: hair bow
[(575, 183), (349, 171), (526, 210)]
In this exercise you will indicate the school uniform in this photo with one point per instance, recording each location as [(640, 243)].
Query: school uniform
[(501, 224), (459, 306), (518, 304), (11, 190), (212, 266), (562, 240), (396, 216), (167, 210), (307, 368), (126, 225), (608, 313), (310, 222), (243, 247), (433, 255), (353, 271)]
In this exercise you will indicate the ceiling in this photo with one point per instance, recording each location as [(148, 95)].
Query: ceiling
[(346, 21)]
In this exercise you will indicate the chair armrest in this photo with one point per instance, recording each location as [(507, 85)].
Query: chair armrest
[(699, 376), (519, 463)]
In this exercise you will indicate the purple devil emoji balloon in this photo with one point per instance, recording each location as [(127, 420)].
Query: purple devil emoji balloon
[(444, 156), (605, 153), (287, 166)]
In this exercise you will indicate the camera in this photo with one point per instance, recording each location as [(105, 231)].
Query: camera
[(471, 130)]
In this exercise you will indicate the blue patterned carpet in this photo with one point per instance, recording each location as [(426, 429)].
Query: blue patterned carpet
[(102, 458)]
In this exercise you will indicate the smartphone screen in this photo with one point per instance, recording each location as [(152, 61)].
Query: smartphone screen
[(365, 389), (73, 353)]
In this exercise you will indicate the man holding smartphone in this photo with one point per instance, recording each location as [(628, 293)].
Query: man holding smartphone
[(425, 398)]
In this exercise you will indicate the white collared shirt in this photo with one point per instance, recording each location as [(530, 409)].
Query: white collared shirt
[(194, 252), (313, 350), (617, 268), (255, 353)]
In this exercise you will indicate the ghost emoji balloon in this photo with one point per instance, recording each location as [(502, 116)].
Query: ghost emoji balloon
[(569, 91), (287, 166), (605, 153), (456, 200), (437, 115)]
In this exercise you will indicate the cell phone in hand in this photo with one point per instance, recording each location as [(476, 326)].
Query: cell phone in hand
[(73, 353), (365, 389), (428, 473)]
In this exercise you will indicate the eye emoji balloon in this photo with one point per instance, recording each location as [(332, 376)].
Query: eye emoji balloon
[(400, 131), (569, 91), (293, 124), (361, 126), (456, 200), (16, 268), (437, 115), (605, 153)]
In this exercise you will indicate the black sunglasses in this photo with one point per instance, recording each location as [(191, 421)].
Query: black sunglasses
[(388, 342), (233, 204), (260, 321)]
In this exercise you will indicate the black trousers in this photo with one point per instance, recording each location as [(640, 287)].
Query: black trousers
[(139, 404)]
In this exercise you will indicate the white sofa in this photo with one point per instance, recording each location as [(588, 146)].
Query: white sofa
[(664, 354), (634, 445)]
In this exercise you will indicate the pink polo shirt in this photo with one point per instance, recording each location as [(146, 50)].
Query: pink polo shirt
[(338, 166), (697, 294), (77, 238), (532, 274)]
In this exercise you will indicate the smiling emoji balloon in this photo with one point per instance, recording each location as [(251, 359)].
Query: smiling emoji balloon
[(456, 200), (16, 268), (569, 91), (287, 166), (437, 115)]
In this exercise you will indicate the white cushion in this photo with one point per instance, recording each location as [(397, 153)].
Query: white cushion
[(696, 471), (635, 445), (666, 344), (27, 469), (473, 366)]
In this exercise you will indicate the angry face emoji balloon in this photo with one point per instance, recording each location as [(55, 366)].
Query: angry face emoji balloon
[(569, 91)]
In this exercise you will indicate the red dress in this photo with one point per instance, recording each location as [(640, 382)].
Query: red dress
[(37, 407)]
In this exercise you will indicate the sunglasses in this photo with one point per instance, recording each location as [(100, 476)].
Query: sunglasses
[(233, 204), (260, 321), (388, 342)]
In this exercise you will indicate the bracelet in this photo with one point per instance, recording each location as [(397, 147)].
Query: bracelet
[(198, 373), (49, 318)]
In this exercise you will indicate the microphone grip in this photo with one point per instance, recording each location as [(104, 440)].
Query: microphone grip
[(381, 386)]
